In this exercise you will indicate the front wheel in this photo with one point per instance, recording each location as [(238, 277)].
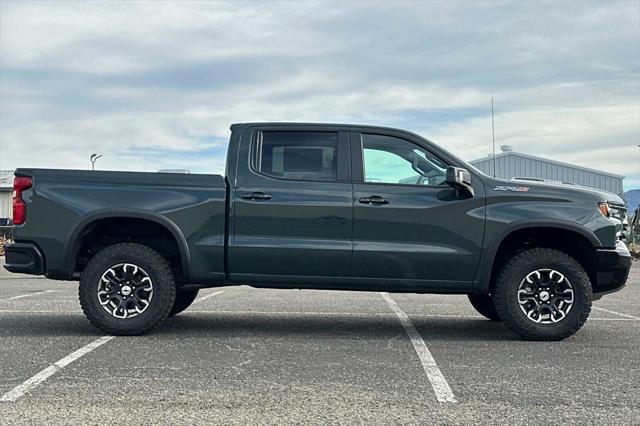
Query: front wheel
[(127, 289), (543, 294)]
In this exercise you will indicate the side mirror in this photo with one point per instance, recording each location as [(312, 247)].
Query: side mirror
[(459, 179)]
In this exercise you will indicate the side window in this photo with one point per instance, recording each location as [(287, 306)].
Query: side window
[(297, 155), (387, 159)]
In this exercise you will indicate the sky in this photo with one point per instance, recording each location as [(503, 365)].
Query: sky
[(156, 85)]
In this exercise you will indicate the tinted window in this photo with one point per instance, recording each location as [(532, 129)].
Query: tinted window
[(393, 160), (297, 155)]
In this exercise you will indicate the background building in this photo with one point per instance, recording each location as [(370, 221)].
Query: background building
[(510, 164), (6, 193)]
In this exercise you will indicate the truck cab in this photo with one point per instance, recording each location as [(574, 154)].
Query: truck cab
[(361, 207)]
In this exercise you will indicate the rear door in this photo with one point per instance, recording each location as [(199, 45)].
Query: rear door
[(408, 223), (292, 203)]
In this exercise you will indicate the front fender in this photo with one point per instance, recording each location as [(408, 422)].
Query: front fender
[(493, 242)]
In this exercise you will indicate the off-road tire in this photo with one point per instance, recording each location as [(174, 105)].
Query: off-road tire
[(184, 299), (159, 271), (484, 305), (516, 269)]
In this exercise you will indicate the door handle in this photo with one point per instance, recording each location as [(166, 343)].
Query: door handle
[(257, 196), (374, 199)]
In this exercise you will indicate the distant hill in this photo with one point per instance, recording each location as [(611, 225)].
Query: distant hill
[(632, 198)]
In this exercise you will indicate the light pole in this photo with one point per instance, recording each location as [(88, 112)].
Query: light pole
[(94, 158), (493, 139)]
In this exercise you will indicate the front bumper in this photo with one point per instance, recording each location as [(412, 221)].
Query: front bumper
[(612, 269), (23, 258)]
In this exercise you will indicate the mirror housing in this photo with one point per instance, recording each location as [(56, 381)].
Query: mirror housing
[(460, 180)]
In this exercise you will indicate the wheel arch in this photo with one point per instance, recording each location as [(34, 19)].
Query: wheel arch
[(540, 230), (73, 241)]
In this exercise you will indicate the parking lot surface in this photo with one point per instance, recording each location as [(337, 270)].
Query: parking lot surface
[(248, 355)]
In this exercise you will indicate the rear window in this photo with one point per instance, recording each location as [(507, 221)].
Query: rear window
[(297, 155)]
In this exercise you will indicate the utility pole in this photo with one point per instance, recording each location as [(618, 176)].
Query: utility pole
[(493, 138), (94, 158)]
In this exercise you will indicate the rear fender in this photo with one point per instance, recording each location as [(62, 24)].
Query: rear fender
[(71, 247)]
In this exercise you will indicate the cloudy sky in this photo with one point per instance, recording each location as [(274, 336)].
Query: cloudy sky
[(156, 85)]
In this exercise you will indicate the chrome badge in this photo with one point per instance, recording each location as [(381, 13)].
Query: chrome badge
[(512, 188)]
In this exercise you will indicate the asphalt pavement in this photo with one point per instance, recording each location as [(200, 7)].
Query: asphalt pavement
[(252, 356)]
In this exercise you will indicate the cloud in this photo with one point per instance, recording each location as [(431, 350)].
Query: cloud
[(159, 83)]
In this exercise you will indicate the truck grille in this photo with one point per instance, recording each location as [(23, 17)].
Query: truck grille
[(620, 213)]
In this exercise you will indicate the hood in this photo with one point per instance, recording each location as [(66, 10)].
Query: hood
[(610, 197)]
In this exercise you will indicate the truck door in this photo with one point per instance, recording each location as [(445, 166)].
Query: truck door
[(292, 207), (408, 223)]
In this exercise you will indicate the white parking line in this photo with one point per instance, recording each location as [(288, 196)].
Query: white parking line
[(34, 381), (203, 298), (22, 296), (438, 382), (43, 375), (615, 313)]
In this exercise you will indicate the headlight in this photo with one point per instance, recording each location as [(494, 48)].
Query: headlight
[(604, 209)]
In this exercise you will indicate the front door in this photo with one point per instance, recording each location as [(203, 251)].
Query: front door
[(408, 223), (292, 204)]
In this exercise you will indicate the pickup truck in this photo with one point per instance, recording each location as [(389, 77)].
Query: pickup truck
[(320, 206)]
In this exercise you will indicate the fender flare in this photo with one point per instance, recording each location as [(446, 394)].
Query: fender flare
[(71, 243), (483, 276)]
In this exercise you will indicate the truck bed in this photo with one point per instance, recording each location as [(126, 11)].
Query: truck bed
[(62, 204)]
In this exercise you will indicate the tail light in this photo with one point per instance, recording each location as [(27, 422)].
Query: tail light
[(20, 183)]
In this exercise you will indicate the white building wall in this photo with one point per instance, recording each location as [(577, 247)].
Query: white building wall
[(6, 206)]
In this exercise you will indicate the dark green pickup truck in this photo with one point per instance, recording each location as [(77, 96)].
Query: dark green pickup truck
[(321, 206)]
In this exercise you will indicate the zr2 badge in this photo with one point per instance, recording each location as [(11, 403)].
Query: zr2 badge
[(512, 188)]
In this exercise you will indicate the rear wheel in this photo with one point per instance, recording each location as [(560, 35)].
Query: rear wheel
[(484, 305), (543, 294), (184, 299), (127, 289)]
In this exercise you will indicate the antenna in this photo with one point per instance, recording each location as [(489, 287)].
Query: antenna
[(493, 138)]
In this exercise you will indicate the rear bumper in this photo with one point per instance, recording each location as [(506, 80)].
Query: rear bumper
[(23, 258), (612, 269)]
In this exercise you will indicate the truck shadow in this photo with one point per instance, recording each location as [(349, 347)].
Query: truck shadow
[(46, 325), (215, 325), (329, 326)]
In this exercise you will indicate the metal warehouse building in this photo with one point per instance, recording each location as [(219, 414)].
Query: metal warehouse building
[(510, 164)]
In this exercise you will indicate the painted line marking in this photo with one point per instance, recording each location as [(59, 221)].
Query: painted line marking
[(22, 296), (40, 377), (203, 298), (615, 313), (438, 382)]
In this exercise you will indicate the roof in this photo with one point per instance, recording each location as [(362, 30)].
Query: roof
[(6, 180), (545, 160), (308, 124)]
